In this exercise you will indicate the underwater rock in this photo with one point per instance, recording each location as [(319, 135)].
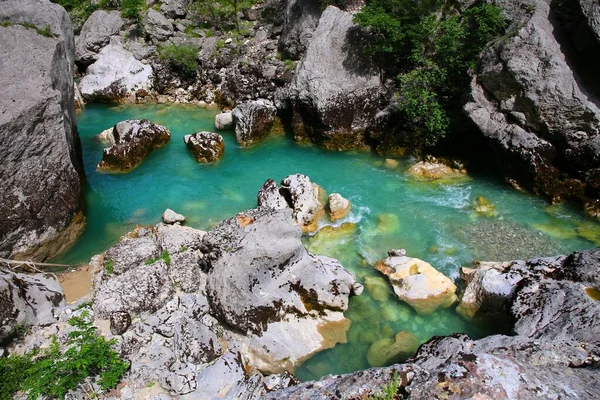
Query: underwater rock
[(484, 208), (435, 169), (253, 121), (27, 300), (305, 200), (171, 217), (206, 147), (391, 163), (330, 240), (224, 121), (337, 206), (419, 284), (387, 350), (378, 288), (134, 140)]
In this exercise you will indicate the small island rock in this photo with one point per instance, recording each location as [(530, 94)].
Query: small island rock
[(434, 169), (224, 121), (206, 147), (171, 217), (253, 121), (133, 140), (305, 198), (337, 206)]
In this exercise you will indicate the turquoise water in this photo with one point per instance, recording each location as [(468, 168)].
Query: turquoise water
[(434, 222)]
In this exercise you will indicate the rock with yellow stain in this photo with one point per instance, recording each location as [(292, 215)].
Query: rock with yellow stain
[(388, 350), (305, 200), (434, 169), (377, 288), (337, 206), (331, 240), (390, 163), (484, 208), (419, 284)]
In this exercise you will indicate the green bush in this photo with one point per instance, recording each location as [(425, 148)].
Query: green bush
[(132, 9), (79, 10), (389, 391), (430, 47), (163, 256), (180, 57), (52, 373)]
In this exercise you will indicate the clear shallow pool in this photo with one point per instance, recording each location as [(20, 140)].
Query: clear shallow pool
[(434, 222)]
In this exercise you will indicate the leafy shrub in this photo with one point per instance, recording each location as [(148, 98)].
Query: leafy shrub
[(180, 57), (132, 9), (52, 373), (79, 10), (163, 256)]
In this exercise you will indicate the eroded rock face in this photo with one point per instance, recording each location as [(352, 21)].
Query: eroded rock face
[(115, 76), (95, 34), (253, 121), (41, 172), (206, 147), (529, 101), (336, 94), (300, 21), (27, 300), (133, 140), (158, 27), (419, 284)]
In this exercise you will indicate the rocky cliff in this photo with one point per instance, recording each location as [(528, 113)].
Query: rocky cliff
[(41, 172)]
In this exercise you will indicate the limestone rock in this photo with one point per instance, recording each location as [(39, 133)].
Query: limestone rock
[(95, 34), (533, 98), (157, 27), (300, 21), (115, 76), (305, 200), (174, 8), (171, 217), (337, 206), (433, 169), (263, 283), (41, 173), (418, 283), (27, 300), (206, 147), (484, 208), (119, 322), (386, 350), (270, 196), (336, 93), (134, 139), (253, 121), (224, 121)]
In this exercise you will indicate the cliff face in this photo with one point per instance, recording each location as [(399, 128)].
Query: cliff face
[(41, 172)]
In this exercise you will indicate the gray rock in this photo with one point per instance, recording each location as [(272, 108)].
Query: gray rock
[(591, 10), (270, 196), (531, 106), (300, 21), (170, 217), (174, 8), (95, 34), (336, 93), (224, 121), (115, 77), (157, 27), (27, 300), (119, 322), (41, 173), (133, 140), (132, 250), (206, 147), (253, 121), (304, 197)]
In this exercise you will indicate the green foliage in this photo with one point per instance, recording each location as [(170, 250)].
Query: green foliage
[(132, 9), (52, 373), (220, 14), (79, 10), (6, 23), (45, 31), (182, 58), (163, 256), (389, 391), (182, 249), (109, 265), (289, 64), (430, 47)]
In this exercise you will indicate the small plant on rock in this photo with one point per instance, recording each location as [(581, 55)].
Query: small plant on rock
[(181, 58)]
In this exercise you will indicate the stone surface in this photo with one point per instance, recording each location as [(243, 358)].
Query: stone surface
[(304, 197), (174, 8), (115, 77), (206, 147), (41, 172), (224, 121), (157, 27), (133, 140), (253, 121), (337, 206), (535, 101), (336, 94), (27, 300), (95, 34), (387, 350), (433, 169), (270, 196), (419, 284), (300, 21), (171, 217)]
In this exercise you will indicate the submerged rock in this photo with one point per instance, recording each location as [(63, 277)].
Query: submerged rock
[(133, 140), (434, 169), (253, 121), (41, 172), (27, 300), (418, 283), (171, 217), (206, 147), (387, 350), (484, 208), (337, 206)]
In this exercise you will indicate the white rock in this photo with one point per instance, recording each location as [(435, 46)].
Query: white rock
[(171, 217), (224, 121), (338, 207)]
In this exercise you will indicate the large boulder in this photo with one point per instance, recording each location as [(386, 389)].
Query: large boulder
[(157, 27), (417, 283), (115, 77), (132, 140), (534, 99), (95, 34), (174, 8), (41, 172), (263, 283), (253, 121), (305, 199), (206, 147), (301, 18), (27, 300), (336, 93)]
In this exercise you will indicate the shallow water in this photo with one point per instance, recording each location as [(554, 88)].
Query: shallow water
[(434, 222)]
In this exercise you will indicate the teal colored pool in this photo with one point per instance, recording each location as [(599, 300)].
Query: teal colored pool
[(434, 222)]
